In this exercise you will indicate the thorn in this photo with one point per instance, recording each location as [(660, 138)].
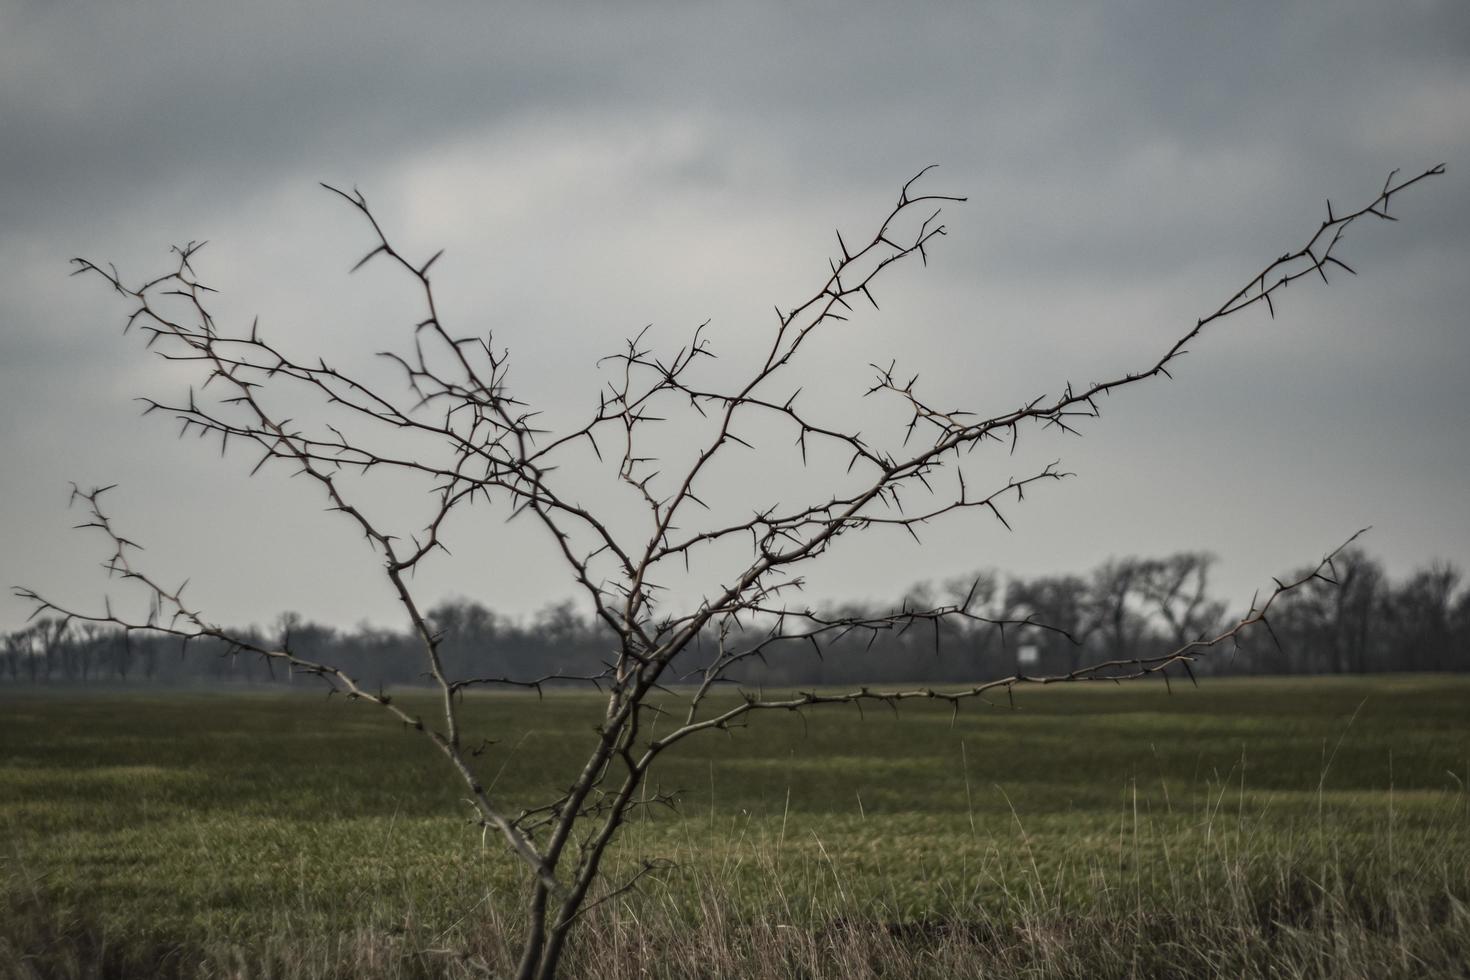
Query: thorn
[(367, 258)]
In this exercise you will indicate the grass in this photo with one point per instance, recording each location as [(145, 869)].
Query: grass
[(1247, 828)]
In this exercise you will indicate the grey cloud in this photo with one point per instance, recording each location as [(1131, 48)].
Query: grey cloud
[(1127, 163)]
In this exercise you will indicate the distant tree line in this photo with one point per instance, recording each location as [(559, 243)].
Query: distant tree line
[(1360, 622)]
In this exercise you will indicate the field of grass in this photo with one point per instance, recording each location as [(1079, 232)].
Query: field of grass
[(1313, 827)]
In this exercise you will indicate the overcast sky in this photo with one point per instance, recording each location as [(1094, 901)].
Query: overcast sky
[(594, 168)]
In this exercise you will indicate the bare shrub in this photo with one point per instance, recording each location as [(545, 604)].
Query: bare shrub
[(454, 426)]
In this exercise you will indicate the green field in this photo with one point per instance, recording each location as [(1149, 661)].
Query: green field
[(1289, 828)]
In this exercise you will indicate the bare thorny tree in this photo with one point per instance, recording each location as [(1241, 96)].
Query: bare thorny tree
[(455, 425)]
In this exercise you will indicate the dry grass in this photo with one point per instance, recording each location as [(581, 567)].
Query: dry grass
[(1251, 913), (1245, 830)]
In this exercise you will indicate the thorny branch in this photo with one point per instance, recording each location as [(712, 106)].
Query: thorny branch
[(454, 426), (169, 615), (1114, 671)]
